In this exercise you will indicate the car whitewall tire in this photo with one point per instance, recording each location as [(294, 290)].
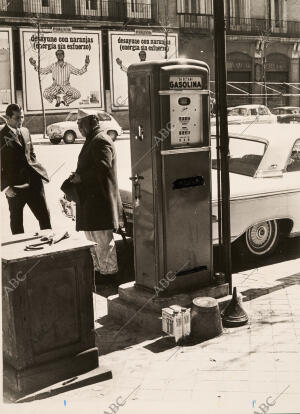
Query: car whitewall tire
[(69, 137)]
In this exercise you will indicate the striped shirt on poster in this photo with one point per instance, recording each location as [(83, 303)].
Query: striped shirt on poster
[(61, 73)]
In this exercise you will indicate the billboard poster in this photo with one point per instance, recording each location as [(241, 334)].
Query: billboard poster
[(127, 48), (6, 65), (70, 69)]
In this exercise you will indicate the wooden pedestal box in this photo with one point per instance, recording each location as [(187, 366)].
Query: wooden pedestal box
[(47, 313)]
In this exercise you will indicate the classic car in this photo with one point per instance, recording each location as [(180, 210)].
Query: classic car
[(248, 114), (264, 169), (68, 129), (289, 119), (283, 111)]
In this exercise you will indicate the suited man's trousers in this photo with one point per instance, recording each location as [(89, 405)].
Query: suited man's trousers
[(34, 197)]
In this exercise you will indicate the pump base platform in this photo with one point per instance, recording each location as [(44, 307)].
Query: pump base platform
[(138, 307)]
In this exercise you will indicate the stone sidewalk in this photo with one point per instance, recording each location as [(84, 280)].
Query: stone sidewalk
[(239, 372)]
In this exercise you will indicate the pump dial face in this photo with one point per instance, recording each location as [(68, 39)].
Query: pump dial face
[(184, 101), (186, 113)]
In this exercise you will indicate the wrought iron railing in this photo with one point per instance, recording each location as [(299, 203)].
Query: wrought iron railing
[(194, 21), (262, 26), (114, 10), (205, 23)]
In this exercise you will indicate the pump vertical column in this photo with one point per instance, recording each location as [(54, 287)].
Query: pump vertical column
[(171, 189)]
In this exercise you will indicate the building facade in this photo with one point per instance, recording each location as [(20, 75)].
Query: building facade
[(80, 28), (262, 47)]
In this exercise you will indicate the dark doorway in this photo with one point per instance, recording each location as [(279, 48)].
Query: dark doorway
[(116, 10), (239, 99), (68, 7), (15, 6)]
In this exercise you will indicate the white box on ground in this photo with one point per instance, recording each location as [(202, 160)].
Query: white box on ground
[(176, 321)]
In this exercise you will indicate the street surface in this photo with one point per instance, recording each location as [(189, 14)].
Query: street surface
[(60, 160)]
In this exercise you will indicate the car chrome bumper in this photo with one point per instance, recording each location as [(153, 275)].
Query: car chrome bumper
[(54, 135)]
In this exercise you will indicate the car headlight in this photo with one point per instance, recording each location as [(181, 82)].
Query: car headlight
[(54, 129)]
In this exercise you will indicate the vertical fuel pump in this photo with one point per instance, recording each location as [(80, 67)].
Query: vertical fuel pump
[(171, 173)]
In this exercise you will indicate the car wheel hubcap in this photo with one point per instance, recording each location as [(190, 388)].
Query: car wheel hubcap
[(69, 137), (261, 237), (259, 234)]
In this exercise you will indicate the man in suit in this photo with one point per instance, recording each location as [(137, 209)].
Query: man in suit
[(21, 174), (99, 210)]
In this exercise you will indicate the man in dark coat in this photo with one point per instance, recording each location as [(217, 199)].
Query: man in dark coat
[(21, 174), (99, 210)]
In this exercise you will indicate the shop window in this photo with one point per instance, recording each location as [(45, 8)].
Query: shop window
[(227, 8), (133, 5), (91, 4), (293, 163), (269, 13), (195, 6), (277, 13), (237, 10)]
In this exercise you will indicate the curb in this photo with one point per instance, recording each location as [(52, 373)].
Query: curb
[(41, 141), (47, 142)]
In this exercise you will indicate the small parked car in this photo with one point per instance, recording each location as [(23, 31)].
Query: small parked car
[(68, 129), (264, 169), (248, 114), (289, 119), (287, 114), (282, 111)]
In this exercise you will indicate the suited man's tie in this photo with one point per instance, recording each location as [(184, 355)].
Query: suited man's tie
[(20, 138)]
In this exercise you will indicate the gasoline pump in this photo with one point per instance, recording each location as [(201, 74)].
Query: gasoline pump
[(169, 115)]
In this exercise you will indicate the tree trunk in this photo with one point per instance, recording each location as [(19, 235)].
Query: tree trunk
[(40, 82)]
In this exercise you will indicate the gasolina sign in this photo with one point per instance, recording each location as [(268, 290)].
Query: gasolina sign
[(185, 82)]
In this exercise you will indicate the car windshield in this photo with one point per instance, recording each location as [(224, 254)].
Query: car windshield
[(245, 155), (263, 111), (103, 116), (238, 111), (72, 117)]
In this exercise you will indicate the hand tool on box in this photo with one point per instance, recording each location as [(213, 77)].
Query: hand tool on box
[(47, 240)]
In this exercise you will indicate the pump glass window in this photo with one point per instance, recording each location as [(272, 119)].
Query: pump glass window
[(186, 120), (245, 155)]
